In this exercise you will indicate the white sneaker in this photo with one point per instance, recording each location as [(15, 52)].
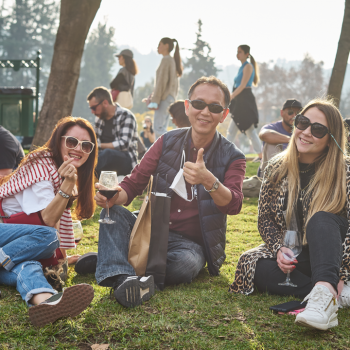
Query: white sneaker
[(320, 311), (344, 298)]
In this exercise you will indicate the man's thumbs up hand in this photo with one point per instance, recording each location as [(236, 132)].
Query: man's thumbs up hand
[(200, 156), (196, 173)]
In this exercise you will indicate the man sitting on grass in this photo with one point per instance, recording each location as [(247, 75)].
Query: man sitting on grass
[(214, 170)]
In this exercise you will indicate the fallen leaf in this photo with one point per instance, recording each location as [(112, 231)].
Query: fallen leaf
[(100, 346)]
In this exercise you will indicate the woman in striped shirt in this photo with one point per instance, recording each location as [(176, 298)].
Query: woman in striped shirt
[(41, 192)]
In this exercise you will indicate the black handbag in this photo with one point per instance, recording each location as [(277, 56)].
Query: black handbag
[(158, 249)]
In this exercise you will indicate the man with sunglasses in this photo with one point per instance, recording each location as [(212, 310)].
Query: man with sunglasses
[(116, 131), (213, 172), (276, 136)]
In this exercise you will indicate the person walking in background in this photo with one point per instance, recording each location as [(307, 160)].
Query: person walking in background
[(178, 114), (123, 84), (166, 84), (243, 109), (147, 135)]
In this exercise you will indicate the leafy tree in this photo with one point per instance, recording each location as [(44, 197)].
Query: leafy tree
[(199, 64), (341, 58), (25, 27), (97, 62), (75, 21)]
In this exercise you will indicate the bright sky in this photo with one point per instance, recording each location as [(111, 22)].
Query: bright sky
[(273, 29)]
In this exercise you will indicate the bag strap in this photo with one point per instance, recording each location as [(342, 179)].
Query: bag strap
[(149, 186)]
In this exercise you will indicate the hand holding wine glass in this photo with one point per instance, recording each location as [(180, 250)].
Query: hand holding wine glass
[(292, 246), (108, 184)]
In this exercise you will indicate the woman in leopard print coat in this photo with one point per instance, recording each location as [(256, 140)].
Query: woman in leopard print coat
[(311, 178)]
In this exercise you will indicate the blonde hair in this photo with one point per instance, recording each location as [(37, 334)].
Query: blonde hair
[(328, 185)]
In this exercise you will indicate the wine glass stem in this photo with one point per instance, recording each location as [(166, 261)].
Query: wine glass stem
[(107, 208), (288, 277)]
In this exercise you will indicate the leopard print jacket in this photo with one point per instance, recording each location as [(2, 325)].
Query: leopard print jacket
[(271, 224)]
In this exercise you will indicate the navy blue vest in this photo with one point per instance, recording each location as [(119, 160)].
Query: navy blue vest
[(218, 158)]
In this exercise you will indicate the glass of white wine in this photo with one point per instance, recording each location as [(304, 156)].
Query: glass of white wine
[(108, 187)]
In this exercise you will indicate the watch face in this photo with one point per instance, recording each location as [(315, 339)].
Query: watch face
[(216, 185)]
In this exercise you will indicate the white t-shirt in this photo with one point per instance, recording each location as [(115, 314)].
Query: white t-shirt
[(31, 200)]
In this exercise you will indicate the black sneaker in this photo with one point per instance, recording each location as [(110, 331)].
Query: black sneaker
[(70, 303), (86, 264), (134, 291)]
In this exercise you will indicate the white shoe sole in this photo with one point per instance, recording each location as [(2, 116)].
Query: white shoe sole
[(333, 322)]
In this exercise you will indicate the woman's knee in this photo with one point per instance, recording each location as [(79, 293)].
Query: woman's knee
[(323, 221)]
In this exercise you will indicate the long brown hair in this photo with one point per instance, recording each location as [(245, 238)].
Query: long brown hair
[(130, 65), (85, 202), (177, 57), (328, 185), (246, 50)]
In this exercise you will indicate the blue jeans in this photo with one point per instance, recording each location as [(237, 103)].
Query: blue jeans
[(161, 116), (113, 160), (184, 262), (20, 247)]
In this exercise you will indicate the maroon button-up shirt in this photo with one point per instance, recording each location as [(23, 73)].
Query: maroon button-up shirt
[(184, 216)]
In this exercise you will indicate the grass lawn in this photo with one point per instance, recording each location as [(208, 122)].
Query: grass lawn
[(202, 315)]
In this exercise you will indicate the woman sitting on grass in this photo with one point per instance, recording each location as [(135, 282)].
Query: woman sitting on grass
[(311, 177), (40, 192)]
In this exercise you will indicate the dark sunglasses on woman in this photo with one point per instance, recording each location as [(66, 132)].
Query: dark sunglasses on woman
[(317, 130), (200, 105), (72, 143)]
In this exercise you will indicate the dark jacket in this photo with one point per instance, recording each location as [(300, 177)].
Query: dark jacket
[(124, 81), (218, 158)]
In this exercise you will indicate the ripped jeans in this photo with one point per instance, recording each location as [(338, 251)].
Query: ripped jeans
[(20, 247)]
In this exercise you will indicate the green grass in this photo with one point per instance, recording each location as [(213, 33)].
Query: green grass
[(201, 315)]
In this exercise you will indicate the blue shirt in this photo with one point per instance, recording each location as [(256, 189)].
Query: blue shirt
[(239, 76), (277, 126)]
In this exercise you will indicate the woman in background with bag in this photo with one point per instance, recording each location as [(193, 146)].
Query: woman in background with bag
[(123, 84), (166, 84), (41, 192)]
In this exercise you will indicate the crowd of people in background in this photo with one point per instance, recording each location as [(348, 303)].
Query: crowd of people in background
[(305, 182)]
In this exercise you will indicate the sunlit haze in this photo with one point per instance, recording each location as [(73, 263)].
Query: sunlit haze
[(285, 29)]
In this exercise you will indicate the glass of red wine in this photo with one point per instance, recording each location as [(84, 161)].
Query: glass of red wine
[(78, 231), (108, 188)]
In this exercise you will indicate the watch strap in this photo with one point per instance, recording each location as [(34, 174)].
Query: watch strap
[(213, 188)]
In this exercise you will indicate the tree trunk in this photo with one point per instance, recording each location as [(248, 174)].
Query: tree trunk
[(76, 17), (341, 58)]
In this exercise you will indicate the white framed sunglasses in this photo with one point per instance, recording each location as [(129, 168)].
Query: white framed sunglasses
[(72, 143)]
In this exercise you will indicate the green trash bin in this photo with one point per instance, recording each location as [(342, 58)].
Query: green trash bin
[(17, 110)]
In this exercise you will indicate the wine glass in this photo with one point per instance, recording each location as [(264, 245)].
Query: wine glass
[(292, 240), (108, 188), (78, 232)]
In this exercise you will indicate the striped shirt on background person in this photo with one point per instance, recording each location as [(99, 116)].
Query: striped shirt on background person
[(124, 130), (43, 169)]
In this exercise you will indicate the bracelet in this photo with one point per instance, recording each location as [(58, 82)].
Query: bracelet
[(64, 195)]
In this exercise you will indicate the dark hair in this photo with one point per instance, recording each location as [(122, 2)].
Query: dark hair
[(86, 190), (130, 65), (100, 93), (177, 57), (246, 50), (214, 81), (178, 112)]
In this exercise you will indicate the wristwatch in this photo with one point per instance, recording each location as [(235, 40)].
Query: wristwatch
[(215, 186)]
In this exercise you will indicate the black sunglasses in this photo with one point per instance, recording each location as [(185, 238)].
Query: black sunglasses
[(72, 143), (291, 112), (200, 105), (317, 130), (93, 108)]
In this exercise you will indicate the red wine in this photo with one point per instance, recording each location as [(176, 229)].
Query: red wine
[(77, 240), (108, 193)]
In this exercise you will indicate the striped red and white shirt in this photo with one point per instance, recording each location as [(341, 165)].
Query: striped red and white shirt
[(43, 169)]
